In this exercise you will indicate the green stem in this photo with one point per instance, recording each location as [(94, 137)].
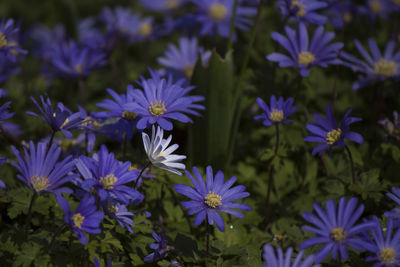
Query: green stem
[(56, 233), (353, 175), (140, 174), (277, 139), (232, 29), (207, 239), (238, 90), (29, 215), (50, 141), (82, 90)]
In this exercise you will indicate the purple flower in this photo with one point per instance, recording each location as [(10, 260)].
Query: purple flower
[(302, 54), (394, 213), (303, 10), (162, 5), (325, 131), (41, 171), (377, 67), (9, 47), (335, 228), (277, 112), (376, 8), (182, 60), (342, 13), (212, 197), (120, 213), (61, 119), (162, 100), (4, 113), (285, 259), (70, 60), (85, 218), (214, 16), (160, 248), (2, 161), (108, 176), (392, 128), (384, 244)]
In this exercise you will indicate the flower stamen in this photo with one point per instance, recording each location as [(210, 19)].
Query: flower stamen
[(129, 115), (213, 200), (301, 8), (217, 11), (40, 183), (78, 220), (385, 67), (387, 256), (145, 29), (276, 115), (338, 234), (157, 108), (3, 40), (108, 181), (333, 136), (306, 58)]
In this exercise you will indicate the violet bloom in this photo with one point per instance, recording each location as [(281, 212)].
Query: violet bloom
[(378, 67), (302, 54), (162, 5), (392, 127), (395, 212), (182, 60), (327, 132), (384, 244), (277, 112), (108, 176), (70, 60), (61, 119), (378, 8), (214, 16), (212, 197), (85, 218), (2, 161), (341, 13), (281, 259), (303, 10), (160, 248), (120, 213), (336, 228), (42, 171), (162, 100), (4, 113), (9, 46)]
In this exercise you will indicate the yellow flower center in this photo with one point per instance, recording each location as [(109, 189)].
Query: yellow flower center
[(157, 108), (387, 256), (375, 6), (108, 181), (145, 29), (64, 123), (78, 220), (79, 68), (217, 11), (3, 40), (338, 234), (40, 183), (134, 167), (301, 8), (213, 200), (188, 71), (385, 67), (128, 115), (396, 2), (333, 136), (170, 4), (89, 120), (113, 208), (306, 58), (13, 44), (276, 115), (347, 17)]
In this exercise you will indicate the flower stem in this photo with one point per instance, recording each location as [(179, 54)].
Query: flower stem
[(353, 175), (56, 233), (50, 141), (140, 174), (277, 139), (29, 215), (82, 90), (232, 29), (207, 239), (339, 261)]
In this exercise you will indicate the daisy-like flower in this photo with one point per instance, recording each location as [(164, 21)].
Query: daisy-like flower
[(385, 248), (41, 171), (277, 112), (9, 47), (162, 100), (281, 259), (85, 218), (303, 10), (394, 213), (160, 248), (211, 198), (108, 177), (159, 153), (162, 5), (377, 67), (215, 16), (2, 161), (302, 54), (342, 13), (4, 113), (182, 60), (120, 213), (70, 60), (327, 132), (336, 228), (61, 119), (378, 8), (392, 128)]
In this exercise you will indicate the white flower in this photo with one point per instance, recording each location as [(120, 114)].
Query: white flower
[(159, 153)]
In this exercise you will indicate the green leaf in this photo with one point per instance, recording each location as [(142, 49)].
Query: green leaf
[(369, 186)]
